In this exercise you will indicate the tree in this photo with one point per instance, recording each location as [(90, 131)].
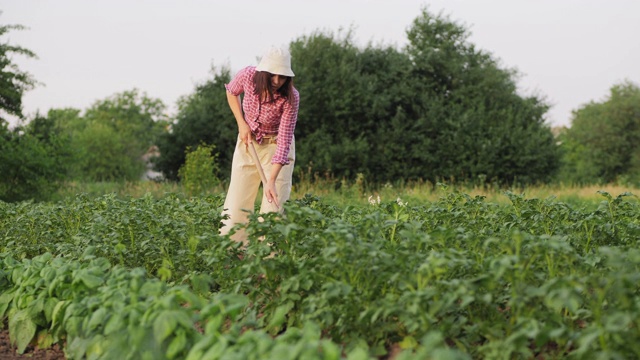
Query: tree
[(114, 133), (31, 167), (354, 106), (326, 67), (29, 164), (13, 81), (440, 109), (66, 120), (473, 124), (603, 142), (203, 117), (47, 131), (134, 115)]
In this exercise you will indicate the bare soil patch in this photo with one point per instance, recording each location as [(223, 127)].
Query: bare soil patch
[(8, 352)]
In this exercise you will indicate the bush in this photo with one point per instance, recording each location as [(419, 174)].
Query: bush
[(31, 168), (200, 170), (602, 144)]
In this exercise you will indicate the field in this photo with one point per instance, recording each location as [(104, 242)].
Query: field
[(422, 273)]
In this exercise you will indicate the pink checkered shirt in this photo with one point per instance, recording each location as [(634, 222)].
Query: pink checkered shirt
[(267, 118)]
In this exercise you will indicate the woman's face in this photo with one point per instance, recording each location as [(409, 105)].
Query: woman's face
[(277, 81)]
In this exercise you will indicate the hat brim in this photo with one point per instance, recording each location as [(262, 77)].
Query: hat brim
[(276, 70)]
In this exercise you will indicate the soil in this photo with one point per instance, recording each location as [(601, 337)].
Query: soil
[(8, 352)]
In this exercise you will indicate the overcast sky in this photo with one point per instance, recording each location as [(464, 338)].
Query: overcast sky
[(568, 51)]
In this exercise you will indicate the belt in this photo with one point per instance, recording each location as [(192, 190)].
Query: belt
[(269, 139)]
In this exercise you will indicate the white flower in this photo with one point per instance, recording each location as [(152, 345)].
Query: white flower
[(399, 201), (373, 201)]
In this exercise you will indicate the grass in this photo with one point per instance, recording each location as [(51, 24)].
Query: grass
[(341, 193), (125, 188)]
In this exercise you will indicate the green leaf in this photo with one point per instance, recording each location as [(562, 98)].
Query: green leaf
[(91, 281), (279, 317), (97, 318), (163, 326), (177, 345), (330, 351), (587, 341), (36, 307), (5, 300), (44, 339), (183, 318), (196, 351), (21, 330), (49, 307), (96, 347), (115, 323), (58, 312), (201, 283), (72, 325), (358, 354), (409, 342), (77, 348), (166, 323), (216, 351)]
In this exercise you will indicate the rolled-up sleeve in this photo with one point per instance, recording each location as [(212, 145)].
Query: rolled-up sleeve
[(237, 84), (286, 129)]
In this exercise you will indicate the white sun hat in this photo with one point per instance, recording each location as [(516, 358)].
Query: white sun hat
[(276, 61)]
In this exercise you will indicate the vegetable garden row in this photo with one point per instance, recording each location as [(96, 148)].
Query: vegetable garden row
[(459, 278)]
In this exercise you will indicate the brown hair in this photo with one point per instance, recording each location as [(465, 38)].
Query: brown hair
[(262, 82)]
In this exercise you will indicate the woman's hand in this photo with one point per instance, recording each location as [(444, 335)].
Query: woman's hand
[(270, 192), (245, 133), (270, 187)]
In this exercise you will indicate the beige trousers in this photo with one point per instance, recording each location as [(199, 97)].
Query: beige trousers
[(245, 182)]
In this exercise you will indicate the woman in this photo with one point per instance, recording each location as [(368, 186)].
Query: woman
[(266, 117)]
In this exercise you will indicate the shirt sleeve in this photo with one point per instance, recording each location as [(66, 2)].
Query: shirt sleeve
[(286, 129), (236, 85)]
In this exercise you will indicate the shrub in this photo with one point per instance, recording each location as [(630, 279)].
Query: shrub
[(200, 170), (31, 168)]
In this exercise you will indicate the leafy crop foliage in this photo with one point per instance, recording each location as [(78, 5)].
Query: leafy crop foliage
[(457, 278)]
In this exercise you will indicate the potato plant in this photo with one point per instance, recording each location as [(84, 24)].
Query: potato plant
[(455, 278)]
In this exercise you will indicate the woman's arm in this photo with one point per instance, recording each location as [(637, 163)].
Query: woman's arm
[(236, 108)]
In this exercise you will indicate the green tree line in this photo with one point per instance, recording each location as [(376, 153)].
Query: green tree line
[(437, 109)]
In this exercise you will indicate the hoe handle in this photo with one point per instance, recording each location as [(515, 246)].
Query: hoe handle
[(258, 164)]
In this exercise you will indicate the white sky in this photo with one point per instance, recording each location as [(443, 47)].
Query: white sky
[(569, 51)]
